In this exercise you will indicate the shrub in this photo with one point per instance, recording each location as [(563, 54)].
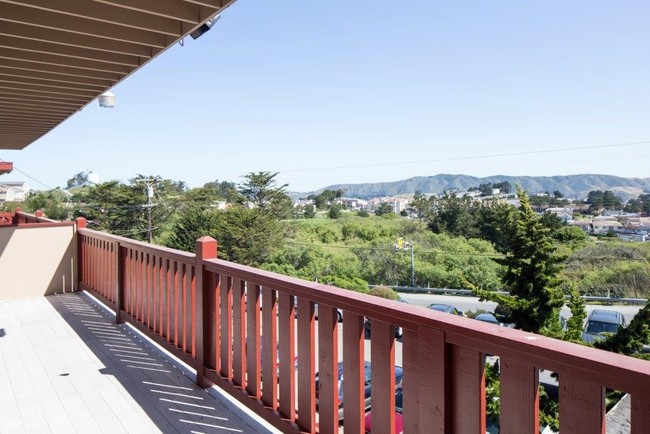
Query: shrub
[(384, 292)]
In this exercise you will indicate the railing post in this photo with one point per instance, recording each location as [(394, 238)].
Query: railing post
[(206, 248), (81, 224), (38, 214)]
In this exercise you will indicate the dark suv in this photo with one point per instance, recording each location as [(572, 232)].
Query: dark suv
[(602, 322)]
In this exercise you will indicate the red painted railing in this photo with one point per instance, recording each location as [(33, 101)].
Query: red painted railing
[(241, 329), (18, 217)]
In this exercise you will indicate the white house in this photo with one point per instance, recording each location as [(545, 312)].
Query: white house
[(14, 191)]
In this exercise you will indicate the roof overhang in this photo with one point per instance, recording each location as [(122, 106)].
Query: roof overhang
[(6, 167), (56, 56)]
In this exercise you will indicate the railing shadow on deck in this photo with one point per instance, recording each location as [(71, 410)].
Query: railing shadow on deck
[(170, 399)]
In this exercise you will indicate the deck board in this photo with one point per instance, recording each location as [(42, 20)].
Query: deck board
[(66, 367)]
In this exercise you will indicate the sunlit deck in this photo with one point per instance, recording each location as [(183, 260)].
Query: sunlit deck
[(65, 366)]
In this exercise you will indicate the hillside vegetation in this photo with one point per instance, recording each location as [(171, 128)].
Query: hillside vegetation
[(576, 186)]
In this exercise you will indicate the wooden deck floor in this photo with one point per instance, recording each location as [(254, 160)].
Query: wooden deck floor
[(66, 367)]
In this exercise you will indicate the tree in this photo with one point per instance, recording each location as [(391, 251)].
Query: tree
[(121, 209), (454, 215), (80, 179), (51, 202), (192, 224), (532, 275), (578, 314), (260, 190), (334, 212), (422, 205), (246, 236), (384, 209)]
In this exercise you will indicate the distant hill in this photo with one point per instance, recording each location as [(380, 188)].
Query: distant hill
[(573, 186)]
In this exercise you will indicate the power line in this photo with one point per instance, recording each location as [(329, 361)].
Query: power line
[(29, 176), (476, 157)]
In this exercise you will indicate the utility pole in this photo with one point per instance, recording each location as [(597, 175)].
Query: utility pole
[(401, 245), (149, 182)]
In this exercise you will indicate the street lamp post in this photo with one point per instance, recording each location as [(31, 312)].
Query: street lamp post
[(401, 245)]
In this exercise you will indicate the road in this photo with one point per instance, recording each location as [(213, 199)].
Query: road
[(472, 303)]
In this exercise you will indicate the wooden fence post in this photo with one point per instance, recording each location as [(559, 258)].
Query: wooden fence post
[(206, 248), (81, 224)]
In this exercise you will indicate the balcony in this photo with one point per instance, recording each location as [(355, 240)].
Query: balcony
[(241, 329)]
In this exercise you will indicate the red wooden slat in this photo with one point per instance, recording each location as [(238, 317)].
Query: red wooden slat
[(468, 390), (174, 303), (328, 397), (426, 359), (582, 406), (286, 338), (140, 286), (162, 295), (253, 333), (306, 365), (226, 326), (269, 349), (182, 315), (238, 333), (214, 324), (640, 414), (169, 293), (383, 376), (155, 293), (192, 301), (519, 398), (188, 323), (353, 373), (149, 290)]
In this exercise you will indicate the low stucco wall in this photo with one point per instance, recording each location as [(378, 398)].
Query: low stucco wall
[(37, 261)]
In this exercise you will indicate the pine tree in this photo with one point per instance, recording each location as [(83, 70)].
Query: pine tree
[(532, 275)]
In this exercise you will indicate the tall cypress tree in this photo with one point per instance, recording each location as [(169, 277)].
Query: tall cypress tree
[(532, 275)]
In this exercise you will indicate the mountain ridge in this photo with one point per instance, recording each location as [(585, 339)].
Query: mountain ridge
[(573, 186)]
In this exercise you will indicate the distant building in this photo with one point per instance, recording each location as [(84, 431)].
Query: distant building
[(14, 191)]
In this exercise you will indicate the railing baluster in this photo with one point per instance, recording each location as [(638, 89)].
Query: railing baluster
[(383, 376), (286, 333), (120, 268), (253, 333), (640, 414), (269, 350), (191, 315), (582, 406), (155, 284), (328, 397), (468, 390), (519, 397), (238, 333), (226, 326), (173, 304), (188, 325), (306, 365), (215, 322), (353, 373)]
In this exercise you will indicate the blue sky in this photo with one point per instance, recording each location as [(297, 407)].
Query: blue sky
[(369, 91)]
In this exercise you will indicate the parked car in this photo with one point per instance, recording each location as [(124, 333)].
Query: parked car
[(602, 322), (399, 424), (398, 330), (448, 308), (488, 318), (367, 376)]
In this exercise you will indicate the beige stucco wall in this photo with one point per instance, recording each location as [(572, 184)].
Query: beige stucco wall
[(37, 261)]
